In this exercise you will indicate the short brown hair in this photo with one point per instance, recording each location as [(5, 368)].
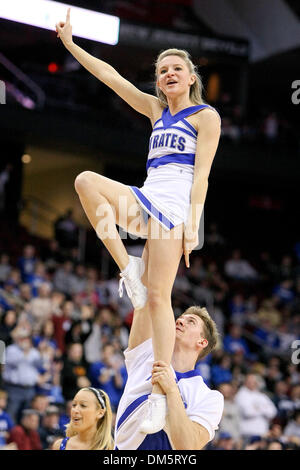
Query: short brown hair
[(210, 330)]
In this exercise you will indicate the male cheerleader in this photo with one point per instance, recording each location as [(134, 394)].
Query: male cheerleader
[(194, 411)]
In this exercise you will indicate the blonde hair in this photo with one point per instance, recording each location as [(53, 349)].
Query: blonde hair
[(210, 330), (102, 439), (196, 88)]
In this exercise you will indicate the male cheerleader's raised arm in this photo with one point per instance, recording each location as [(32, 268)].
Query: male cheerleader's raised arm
[(144, 103)]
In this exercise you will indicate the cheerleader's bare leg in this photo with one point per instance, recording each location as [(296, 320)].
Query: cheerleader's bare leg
[(163, 261), (106, 203)]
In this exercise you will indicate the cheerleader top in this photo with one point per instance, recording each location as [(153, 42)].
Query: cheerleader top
[(173, 140)]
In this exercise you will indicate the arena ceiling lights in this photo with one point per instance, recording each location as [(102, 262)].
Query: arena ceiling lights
[(45, 14)]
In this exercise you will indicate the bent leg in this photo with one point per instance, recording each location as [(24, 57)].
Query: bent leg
[(107, 203)]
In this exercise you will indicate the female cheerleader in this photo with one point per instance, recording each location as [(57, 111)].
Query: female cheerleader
[(90, 424), (167, 209)]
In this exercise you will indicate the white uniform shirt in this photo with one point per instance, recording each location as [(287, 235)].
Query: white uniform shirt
[(204, 406)]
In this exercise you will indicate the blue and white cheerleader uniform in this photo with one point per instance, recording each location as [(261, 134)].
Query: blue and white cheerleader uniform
[(166, 192)]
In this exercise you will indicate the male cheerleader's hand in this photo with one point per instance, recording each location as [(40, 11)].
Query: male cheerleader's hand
[(162, 375), (190, 241), (64, 30)]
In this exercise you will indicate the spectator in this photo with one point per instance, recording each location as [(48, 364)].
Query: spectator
[(282, 401), (25, 435), (275, 432), (74, 372), (203, 294), (38, 278), (230, 421), (66, 230), (217, 313), (90, 295), (25, 295), (266, 267), (40, 403), (256, 408), (286, 268), (5, 267), (122, 304), (221, 372), (284, 291), (251, 305), (237, 309), (62, 321), (51, 255), (275, 445), (46, 335), (27, 262), (4, 180), (7, 325), (266, 336), (214, 276), (273, 374), (65, 416), (234, 341), (8, 295), (295, 395), (267, 310), (57, 299), (120, 332), (213, 238), (93, 344), (270, 128), (21, 372), (41, 307), (196, 273), (79, 332), (256, 443), (239, 269), (109, 374), (50, 429), (239, 367), (55, 391), (224, 442), (6, 423), (79, 280), (63, 279), (292, 429)]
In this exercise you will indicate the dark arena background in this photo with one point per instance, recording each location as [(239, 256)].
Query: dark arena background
[(58, 285)]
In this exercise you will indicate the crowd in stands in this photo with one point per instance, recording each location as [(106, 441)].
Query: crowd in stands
[(65, 327)]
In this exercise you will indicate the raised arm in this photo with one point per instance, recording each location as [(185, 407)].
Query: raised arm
[(144, 103)]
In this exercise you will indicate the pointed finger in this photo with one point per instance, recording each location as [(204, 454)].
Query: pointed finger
[(68, 15)]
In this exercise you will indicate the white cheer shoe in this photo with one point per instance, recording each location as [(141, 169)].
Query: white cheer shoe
[(131, 277)]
